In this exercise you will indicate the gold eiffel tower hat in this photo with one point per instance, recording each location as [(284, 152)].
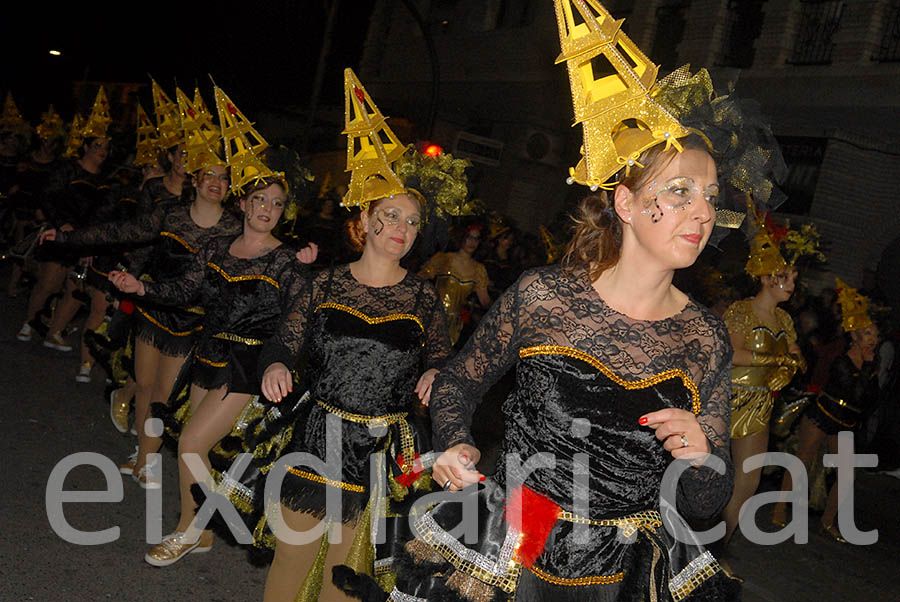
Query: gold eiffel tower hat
[(201, 136), (613, 85), (371, 147), (243, 145), (168, 119), (147, 140), (51, 125), (98, 121)]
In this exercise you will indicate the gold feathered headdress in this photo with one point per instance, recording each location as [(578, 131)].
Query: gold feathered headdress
[(854, 307)]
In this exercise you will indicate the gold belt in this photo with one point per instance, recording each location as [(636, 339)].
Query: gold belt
[(407, 444), (235, 338), (841, 402), (645, 519)]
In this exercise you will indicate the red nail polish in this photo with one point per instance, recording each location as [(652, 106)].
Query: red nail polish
[(642, 420), (481, 479)]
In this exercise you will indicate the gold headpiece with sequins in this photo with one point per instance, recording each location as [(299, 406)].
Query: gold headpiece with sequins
[(98, 121), (854, 307), (243, 145), (11, 119), (625, 111), (617, 109), (51, 125), (371, 147), (168, 118), (775, 247), (201, 136), (147, 140), (75, 136)]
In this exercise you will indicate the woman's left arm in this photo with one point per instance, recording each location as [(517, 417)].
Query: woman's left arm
[(705, 487), (437, 344)]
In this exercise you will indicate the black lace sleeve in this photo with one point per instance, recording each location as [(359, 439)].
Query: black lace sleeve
[(184, 289), (484, 359), (142, 230), (292, 280), (437, 337), (704, 492), (285, 345)]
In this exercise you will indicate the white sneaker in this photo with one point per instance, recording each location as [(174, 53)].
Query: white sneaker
[(54, 341), (148, 476), (84, 373), (130, 463), (25, 333)]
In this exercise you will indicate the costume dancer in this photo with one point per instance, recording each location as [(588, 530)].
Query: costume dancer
[(457, 275), (617, 371), (849, 394), (73, 194), (766, 353), (245, 284), (375, 336), (163, 336), (25, 200)]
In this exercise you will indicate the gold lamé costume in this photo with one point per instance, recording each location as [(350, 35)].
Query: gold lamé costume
[(453, 287), (751, 395)]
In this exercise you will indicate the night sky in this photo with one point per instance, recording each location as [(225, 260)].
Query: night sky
[(261, 53)]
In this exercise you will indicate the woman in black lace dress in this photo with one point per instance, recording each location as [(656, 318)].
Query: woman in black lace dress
[(844, 402), (618, 373), (370, 329), (74, 190), (244, 284), (163, 336)]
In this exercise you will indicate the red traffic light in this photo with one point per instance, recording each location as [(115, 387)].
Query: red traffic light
[(432, 150)]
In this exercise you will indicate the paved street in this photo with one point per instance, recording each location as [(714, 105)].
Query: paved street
[(46, 417)]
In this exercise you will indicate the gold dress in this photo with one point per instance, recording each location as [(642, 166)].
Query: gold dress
[(453, 287), (751, 395)]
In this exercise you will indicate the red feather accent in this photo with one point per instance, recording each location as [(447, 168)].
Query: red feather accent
[(537, 515), (127, 307), (778, 232), (408, 478)]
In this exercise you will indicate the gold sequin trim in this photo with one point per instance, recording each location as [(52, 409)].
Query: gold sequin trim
[(104, 274), (840, 402), (156, 323), (697, 577), (316, 478), (643, 383), (385, 420), (177, 238), (236, 338), (578, 581), (506, 582), (367, 319), (646, 519), (210, 362), (231, 278)]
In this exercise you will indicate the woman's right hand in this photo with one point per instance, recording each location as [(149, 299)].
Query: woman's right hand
[(455, 468), (48, 234), (276, 382), (126, 283)]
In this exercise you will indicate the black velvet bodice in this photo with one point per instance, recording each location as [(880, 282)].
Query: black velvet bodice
[(581, 412), (387, 346)]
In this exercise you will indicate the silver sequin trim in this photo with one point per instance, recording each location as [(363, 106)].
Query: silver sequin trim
[(694, 566), (499, 567), (399, 596)]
